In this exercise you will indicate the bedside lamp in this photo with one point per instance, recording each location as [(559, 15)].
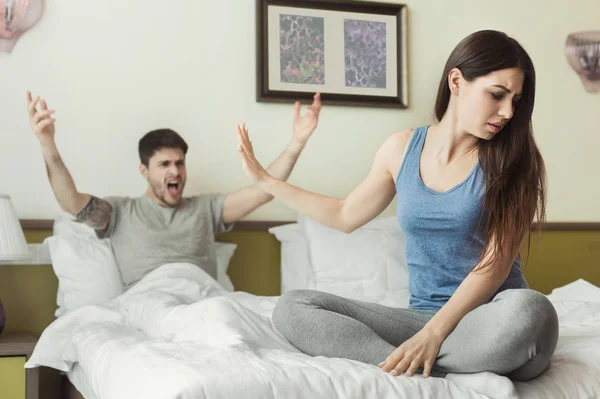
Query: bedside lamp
[(12, 240)]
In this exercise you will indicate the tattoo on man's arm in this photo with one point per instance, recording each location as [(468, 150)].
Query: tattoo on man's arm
[(96, 213)]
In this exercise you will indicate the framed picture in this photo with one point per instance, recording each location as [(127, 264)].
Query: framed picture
[(352, 52)]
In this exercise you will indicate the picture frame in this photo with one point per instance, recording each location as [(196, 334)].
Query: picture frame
[(352, 52)]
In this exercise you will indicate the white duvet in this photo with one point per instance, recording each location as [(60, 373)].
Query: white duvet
[(177, 334)]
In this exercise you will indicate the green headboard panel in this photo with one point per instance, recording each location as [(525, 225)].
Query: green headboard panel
[(561, 257), (28, 292), (255, 265)]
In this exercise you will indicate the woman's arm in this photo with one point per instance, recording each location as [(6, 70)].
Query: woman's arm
[(367, 200), (241, 202), (475, 290)]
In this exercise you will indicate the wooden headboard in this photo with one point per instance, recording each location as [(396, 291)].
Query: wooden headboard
[(565, 253)]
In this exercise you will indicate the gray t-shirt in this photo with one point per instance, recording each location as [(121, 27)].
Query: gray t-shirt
[(145, 235)]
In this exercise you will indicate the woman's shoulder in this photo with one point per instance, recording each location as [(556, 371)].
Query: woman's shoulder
[(402, 138), (394, 149), (397, 143)]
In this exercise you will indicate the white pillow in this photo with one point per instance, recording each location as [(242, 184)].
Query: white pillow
[(368, 264), (296, 270), (85, 266), (65, 225), (87, 271), (224, 252)]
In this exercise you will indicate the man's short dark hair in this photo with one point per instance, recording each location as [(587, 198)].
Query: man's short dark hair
[(157, 139)]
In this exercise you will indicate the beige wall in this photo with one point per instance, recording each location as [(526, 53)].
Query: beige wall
[(116, 69)]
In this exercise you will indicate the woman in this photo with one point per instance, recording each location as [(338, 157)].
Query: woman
[(469, 187)]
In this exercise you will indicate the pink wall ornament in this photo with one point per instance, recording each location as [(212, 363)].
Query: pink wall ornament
[(16, 17), (582, 50)]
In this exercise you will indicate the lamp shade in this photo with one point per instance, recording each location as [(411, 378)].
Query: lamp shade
[(12, 240)]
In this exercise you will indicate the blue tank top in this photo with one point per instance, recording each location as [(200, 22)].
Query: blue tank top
[(442, 241)]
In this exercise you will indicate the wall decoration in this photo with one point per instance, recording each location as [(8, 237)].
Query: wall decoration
[(582, 50), (352, 52), (17, 16)]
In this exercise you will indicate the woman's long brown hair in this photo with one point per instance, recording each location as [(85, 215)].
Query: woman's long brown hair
[(514, 171)]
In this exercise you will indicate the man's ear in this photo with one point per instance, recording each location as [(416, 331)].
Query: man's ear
[(144, 170)]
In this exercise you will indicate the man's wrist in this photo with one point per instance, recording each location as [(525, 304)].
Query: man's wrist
[(49, 149), (296, 146)]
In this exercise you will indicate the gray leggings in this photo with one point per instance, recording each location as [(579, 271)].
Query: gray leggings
[(514, 335)]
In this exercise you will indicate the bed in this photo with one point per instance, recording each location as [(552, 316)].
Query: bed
[(179, 333)]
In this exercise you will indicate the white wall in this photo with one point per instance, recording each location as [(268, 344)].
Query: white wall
[(115, 69)]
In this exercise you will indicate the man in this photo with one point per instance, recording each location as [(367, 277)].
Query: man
[(162, 226)]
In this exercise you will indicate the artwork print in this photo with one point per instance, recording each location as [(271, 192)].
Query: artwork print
[(302, 49), (365, 53), (353, 52)]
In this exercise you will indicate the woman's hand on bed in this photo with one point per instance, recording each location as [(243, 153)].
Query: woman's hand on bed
[(251, 166), (421, 350)]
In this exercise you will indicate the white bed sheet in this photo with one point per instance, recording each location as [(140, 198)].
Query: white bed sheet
[(575, 367), (177, 334), (79, 380)]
